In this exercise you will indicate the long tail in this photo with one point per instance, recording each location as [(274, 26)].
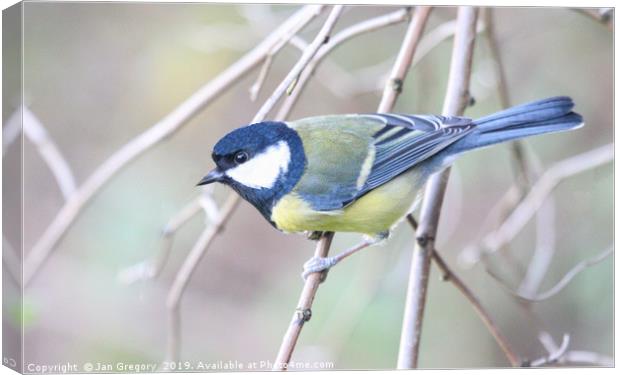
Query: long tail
[(544, 116)]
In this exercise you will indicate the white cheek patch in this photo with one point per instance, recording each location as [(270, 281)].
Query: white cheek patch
[(262, 170)]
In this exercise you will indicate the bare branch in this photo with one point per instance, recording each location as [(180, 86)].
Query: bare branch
[(35, 131), (537, 195), (544, 250), (343, 83), (457, 97), (284, 39), (154, 135), (303, 311), (151, 268), (548, 342), (255, 88), (572, 356), (587, 357), (340, 38), (288, 83), (555, 353), (187, 269), (437, 36), (564, 281), (501, 340)]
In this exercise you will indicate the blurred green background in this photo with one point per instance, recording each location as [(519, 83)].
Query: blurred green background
[(99, 74)]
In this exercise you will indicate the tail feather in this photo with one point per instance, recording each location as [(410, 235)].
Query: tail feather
[(544, 116), (525, 113)]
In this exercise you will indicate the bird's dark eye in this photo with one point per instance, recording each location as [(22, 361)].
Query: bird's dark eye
[(241, 157)]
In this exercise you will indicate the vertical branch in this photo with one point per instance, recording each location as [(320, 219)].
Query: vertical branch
[(303, 312), (457, 97)]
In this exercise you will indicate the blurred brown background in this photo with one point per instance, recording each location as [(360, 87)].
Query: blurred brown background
[(98, 74)]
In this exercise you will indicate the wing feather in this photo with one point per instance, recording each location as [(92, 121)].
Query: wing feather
[(418, 138), (370, 150)]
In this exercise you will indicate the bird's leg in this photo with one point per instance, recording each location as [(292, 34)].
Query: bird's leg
[(317, 264)]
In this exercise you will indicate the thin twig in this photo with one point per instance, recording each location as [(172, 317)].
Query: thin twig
[(288, 82), (449, 275), (151, 268), (501, 340), (564, 281), (554, 353), (587, 357), (437, 36), (573, 356), (345, 84), (185, 273), (544, 250), (340, 38), (284, 39), (363, 80), (256, 87), (457, 97), (151, 137), (35, 131), (303, 311), (541, 189)]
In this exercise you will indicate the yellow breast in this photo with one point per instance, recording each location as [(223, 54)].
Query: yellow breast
[(375, 212)]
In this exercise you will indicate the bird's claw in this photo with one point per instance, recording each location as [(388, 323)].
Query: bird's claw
[(318, 264)]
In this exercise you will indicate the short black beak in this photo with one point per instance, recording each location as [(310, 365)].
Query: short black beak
[(213, 176)]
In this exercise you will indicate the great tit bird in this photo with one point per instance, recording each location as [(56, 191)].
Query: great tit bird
[(361, 172)]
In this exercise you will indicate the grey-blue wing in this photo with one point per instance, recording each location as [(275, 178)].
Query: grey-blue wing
[(407, 140)]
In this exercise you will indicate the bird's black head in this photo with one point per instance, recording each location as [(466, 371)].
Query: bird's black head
[(262, 162)]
